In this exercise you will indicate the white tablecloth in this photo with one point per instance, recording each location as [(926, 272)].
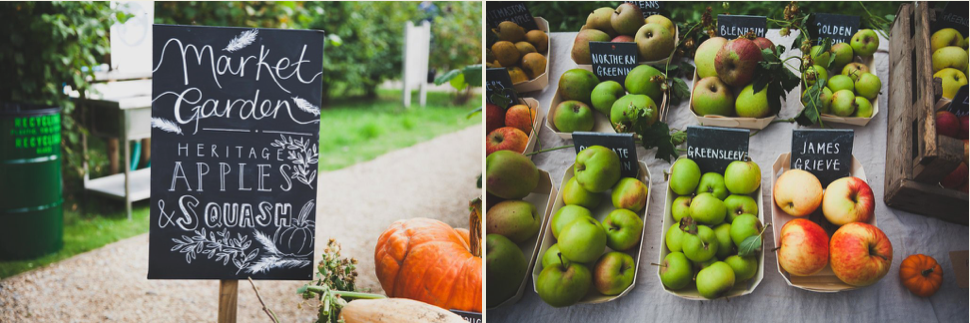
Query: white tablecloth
[(773, 300)]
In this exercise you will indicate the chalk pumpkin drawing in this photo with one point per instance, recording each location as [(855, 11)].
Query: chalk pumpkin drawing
[(235, 124)]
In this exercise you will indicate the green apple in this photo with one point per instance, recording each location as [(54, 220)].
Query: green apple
[(705, 54), (684, 176), (514, 219), (864, 43), (952, 56), (599, 19), (744, 267), (820, 57), (583, 240), (681, 207), (638, 81), (562, 285), (953, 80), (699, 242), (698, 265), (613, 273), (843, 103), (715, 280), (742, 177), (632, 106), (552, 257), (654, 42), (868, 86), (843, 55), (663, 21), (863, 108), (566, 215), (713, 183), (674, 238), (629, 193), (505, 268), (737, 205), (577, 84), (604, 94), (825, 99), (623, 229), (597, 168), (707, 209), (712, 97), (814, 73), (675, 271), (944, 38), (744, 226), (510, 175), (627, 18), (724, 245), (752, 105), (854, 70), (573, 116), (575, 194), (841, 82)]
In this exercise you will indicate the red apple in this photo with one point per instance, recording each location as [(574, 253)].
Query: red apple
[(506, 138), (964, 128), (764, 43), (623, 39), (804, 248), (494, 117), (957, 178), (847, 200), (947, 124), (736, 62), (860, 254), (797, 192), (520, 116)]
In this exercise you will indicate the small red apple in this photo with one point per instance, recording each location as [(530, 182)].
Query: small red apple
[(860, 254), (737, 61), (804, 248), (494, 117), (623, 39), (506, 138), (848, 199), (947, 124), (957, 178), (520, 116)]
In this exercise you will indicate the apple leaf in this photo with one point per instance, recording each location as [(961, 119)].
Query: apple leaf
[(678, 90), (447, 77), (686, 69), (500, 98), (813, 105), (656, 135), (750, 246), (473, 75)]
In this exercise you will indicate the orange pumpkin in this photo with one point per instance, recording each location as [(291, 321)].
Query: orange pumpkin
[(429, 261), (921, 274)]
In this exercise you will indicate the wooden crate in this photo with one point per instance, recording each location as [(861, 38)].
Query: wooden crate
[(916, 158)]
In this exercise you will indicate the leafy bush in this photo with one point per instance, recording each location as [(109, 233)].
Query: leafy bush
[(455, 42)]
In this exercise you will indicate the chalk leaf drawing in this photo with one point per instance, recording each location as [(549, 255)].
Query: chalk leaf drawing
[(306, 106), (166, 126), (303, 155), (241, 41), (218, 244)]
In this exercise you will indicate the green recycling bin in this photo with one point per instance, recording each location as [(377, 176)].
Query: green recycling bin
[(31, 211)]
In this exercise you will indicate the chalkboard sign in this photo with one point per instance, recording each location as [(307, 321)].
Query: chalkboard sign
[(826, 153), (954, 15), (839, 28), (959, 103), (650, 8), (498, 82), (514, 11), (613, 61), (732, 26), (713, 148), (470, 317), (621, 143), (235, 132)]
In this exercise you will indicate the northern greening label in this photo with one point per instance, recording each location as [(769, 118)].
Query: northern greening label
[(29, 136)]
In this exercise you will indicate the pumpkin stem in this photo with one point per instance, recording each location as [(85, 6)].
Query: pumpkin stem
[(475, 227), (927, 272)]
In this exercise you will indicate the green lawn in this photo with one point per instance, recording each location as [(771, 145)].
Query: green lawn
[(352, 131)]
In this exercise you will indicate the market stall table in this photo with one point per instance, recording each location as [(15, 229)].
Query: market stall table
[(773, 300)]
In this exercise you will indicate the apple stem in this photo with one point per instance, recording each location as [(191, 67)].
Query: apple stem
[(561, 262), (764, 228), (656, 264), (775, 249), (549, 149)]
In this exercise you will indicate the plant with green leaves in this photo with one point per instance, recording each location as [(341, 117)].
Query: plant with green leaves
[(463, 80), (336, 283)]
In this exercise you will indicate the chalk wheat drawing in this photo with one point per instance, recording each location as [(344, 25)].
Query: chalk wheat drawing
[(165, 125), (303, 155), (273, 258), (241, 41), (306, 106)]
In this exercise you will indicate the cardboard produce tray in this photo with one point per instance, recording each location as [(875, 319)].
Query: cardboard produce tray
[(727, 122), (540, 82)]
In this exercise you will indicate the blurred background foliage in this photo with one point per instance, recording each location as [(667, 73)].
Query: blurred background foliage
[(370, 34), (570, 16)]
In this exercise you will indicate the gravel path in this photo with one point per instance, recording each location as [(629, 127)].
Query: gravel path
[(434, 179)]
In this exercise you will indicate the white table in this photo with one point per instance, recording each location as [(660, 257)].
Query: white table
[(773, 300)]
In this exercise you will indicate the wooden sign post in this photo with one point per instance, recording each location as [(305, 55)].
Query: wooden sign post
[(235, 129)]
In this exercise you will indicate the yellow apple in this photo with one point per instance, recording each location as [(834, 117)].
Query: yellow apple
[(797, 192), (953, 79)]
